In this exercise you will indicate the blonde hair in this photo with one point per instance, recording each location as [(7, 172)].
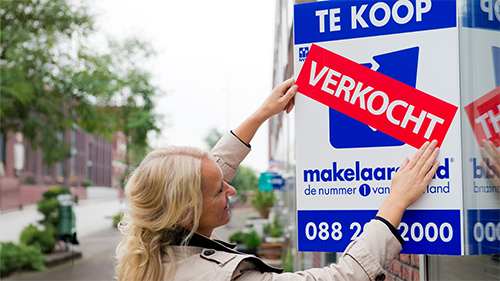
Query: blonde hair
[(163, 194)]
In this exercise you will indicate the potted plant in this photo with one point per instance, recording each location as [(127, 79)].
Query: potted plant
[(88, 182), (271, 248), (275, 233), (262, 201), (247, 242), (270, 251)]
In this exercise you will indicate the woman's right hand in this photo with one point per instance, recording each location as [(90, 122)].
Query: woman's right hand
[(409, 182), (282, 98)]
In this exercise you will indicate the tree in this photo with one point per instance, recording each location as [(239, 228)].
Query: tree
[(30, 32), (133, 100), (245, 179), (47, 87)]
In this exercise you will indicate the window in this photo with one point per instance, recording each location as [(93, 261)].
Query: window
[(89, 161), (74, 152)]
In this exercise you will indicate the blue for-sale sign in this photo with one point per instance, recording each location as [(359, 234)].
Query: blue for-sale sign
[(345, 166)]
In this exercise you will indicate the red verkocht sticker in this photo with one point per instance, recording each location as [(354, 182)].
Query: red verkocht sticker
[(484, 117), (374, 99)]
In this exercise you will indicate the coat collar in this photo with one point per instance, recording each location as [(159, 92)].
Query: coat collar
[(206, 243), (201, 241)]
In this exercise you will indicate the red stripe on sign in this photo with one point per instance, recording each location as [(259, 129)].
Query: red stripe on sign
[(484, 117), (379, 101)]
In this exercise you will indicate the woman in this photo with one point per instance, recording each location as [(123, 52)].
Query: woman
[(179, 195)]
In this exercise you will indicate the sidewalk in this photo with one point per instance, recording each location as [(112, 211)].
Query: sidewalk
[(238, 217), (97, 262), (13, 222), (98, 249), (91, 216)]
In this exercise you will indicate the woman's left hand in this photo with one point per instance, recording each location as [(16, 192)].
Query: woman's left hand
[(409, 183)]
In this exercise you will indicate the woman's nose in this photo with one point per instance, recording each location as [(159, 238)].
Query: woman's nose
[(231, 190)]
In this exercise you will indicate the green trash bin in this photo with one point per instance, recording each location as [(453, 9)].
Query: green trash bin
[(66, 230)]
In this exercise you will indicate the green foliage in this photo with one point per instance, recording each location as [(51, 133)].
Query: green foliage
[(277, 229), (250, 239), (30, 180), (213, 137), (245, 179), (287, 261), (117, 219), (49, 206), (266, 230), (88, 182), (31, 53), (135, 96), (48, 88), (274, 229), (50, 209), (54, 191), (122, 182), (263, 201), (237, 237), (16, 257), (45, 240), (241, 197)]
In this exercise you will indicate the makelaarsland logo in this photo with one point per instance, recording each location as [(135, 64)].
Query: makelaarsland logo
[(303, 51), (347, 132)]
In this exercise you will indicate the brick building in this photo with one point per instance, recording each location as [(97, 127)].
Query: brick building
[(92, 158)]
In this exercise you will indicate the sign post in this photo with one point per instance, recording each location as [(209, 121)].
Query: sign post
[(269, 181)]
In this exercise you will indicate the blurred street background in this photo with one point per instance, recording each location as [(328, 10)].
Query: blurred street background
[(88, 88), (97, 236)]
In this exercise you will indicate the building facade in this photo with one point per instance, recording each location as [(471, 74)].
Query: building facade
[(94, 160)]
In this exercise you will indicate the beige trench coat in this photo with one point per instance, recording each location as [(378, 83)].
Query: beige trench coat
[(363, 259)]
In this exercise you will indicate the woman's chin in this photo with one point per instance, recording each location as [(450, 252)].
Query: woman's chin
[(225, 220)]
